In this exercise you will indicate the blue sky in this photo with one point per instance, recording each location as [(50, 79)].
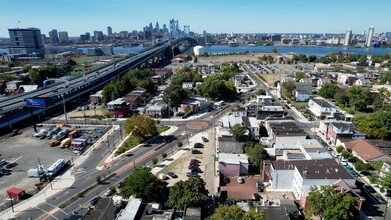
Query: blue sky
[(214, 16)]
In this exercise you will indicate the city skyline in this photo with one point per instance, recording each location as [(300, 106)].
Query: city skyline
[(303, 16)]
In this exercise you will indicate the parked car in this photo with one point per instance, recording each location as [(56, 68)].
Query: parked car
[(196, 152), (109, 192), (204, 139), (194, 164), (95, 200), (195, 160), (257, 197), (196, 170), (172, 174), (198, 145), (192, 174), (5, 172), (369, 188), (239, 179), (192, 167), (3, 162), (10, 165), (120, 185)]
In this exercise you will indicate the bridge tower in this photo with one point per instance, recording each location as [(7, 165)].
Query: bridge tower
[(186, 30)]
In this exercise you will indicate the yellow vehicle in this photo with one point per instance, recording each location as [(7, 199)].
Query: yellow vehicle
[(66, 143)]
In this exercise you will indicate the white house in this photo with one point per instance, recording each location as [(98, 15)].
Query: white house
[(363, 82), (320, 107)]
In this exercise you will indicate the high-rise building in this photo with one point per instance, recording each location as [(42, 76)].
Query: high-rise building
[(150, 26), (63, 37), (165, 30), (98, 36), (26, 41), (53, 36), (348, 37), (85, 37), (368, 41), (157, 26), (109, 31)]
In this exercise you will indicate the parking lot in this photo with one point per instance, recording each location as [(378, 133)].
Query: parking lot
[(180, 166), (27, 152)]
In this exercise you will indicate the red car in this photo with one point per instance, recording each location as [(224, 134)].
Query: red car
[(194, 164)]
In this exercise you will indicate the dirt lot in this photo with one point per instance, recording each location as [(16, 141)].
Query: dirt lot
[(229, 58), (271, 78)]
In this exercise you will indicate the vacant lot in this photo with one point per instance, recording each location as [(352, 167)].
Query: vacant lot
[(271, 78)]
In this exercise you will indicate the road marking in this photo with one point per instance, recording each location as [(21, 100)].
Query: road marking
[(55, 207), (43, 217)]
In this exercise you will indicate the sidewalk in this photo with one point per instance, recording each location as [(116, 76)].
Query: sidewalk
[(111, 157)]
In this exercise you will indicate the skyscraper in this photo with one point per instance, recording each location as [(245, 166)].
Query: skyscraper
[(368, 41), (26, 41), (53, 36), (109, 31), (98, 36), (157, 26), (63, 37), (348, 37)]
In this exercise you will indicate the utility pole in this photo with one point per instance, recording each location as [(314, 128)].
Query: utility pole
[(65, 111)]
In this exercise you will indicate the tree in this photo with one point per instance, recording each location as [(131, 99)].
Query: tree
[(228, 212), (385, 77), (289, 88), (345, 154), (385, 182), (175, 95), (141, 126), (328, 91), (179, 144), (256, 154), (98, 179), (238, 132), (377, 104), (342, 99), (217, 88), (154, 160), (340, 149), (143, 184), (164, 154), (299, 76), (190, 193), (254, 215), (359, 97), (330, 204), (362, 167), (376, 125)]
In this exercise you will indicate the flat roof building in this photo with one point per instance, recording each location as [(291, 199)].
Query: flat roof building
[(26, 41)]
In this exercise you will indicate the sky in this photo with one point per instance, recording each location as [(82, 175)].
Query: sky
[(214, 16)]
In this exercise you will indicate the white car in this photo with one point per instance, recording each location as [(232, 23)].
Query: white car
[(239, 179), (336, 155), (109, 192)]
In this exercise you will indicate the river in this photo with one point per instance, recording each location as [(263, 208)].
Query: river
[(224, 49)]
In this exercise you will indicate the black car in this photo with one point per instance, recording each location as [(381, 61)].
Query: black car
[(10, 165), (198, 145), (196, 170), (120, 185), (172, 174), (5, 172), (204, 139), (192, 174), (195, 161), (3, 162), (192, 167), (196, 152), (94, 200)]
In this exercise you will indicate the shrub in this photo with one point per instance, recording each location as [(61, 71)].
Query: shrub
[(164, 154), (154, 160)]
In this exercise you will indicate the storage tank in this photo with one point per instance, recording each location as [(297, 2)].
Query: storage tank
[(199, 50)]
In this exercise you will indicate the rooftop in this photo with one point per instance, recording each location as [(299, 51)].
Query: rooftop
[(233, 158), (322, 103), (364, 149)]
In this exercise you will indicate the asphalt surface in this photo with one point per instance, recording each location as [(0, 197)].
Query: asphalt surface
[(86, 173)]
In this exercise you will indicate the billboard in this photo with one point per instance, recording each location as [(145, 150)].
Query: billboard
[(36, 102)]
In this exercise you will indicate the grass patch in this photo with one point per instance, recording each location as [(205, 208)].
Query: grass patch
[(86, 59), (162, 128), (271, 78), (130, 143)]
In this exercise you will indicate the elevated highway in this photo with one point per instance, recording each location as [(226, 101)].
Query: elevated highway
[(15, 109)]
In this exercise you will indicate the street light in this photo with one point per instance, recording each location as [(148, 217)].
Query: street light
[(65, 111)]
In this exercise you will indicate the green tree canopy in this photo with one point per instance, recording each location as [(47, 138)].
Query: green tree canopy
[(233, 212), (330, 204), (299, 76), (217, 88), (141, 126), (175, 95), (385, 77), (254, 215), (289, 88), (376, 125), (359, 97), (256, 154), (385, 182), (191, 192), (328, 91), (143, 184), (238, 132)]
